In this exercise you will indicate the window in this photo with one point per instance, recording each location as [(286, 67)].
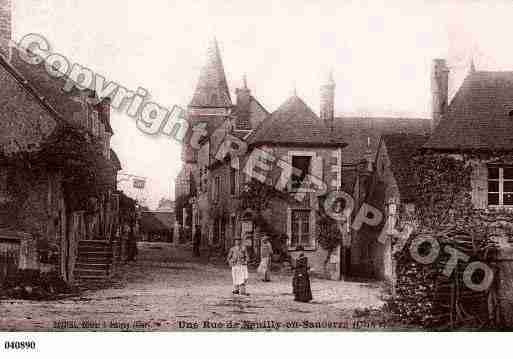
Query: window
[(216, 190), (500, 186), (233, 225), (233, 173), (300, 227), (301, 163), (219, 230)]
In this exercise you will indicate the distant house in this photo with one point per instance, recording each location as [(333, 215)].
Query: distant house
[(157, 226), (166, 204)]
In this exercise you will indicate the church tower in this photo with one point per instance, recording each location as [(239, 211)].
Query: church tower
[(211, 101)]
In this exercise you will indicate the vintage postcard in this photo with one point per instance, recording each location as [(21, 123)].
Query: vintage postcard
[(305, 166)]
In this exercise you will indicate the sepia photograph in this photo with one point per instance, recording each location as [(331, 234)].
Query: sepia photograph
[(249, 167)]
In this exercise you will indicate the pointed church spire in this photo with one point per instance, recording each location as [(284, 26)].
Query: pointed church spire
[(212, 88)]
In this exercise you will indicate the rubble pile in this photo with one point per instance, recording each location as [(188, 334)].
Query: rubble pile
[(33, 285)]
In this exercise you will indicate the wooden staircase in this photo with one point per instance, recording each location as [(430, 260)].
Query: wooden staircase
[(94, 262)]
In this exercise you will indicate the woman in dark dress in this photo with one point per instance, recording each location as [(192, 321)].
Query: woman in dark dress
[(301, 280)]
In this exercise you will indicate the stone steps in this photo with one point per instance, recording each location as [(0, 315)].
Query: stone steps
[(94, 262)]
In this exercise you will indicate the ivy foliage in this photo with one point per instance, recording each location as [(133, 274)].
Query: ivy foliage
[(256, 196), (442, 190), (328, 234), (75, 154)]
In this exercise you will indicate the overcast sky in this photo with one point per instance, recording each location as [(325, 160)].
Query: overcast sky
[(380, 54)]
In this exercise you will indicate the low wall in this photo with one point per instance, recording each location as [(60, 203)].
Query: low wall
[(504, 287)]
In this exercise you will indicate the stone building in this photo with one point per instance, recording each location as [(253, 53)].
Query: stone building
[(339, 151), (476, 127), (57, 171)]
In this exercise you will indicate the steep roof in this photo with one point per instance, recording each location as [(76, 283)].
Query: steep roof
[(293, 123), (212, 88), (363, 133), (478, 117), (50, 89), (30, 88), (401, 148), (157, 221), (115, 159), (245, 117)]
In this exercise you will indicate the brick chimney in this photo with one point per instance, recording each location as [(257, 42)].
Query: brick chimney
[(5, 27), (243, 103), (439, 90), (327, 111)]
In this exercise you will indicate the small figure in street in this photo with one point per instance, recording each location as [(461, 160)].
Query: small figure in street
[(301, 280), (238, 259), (132, 245), (266, 252), (196, 242)]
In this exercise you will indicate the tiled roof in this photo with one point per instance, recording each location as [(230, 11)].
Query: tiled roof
[(30, 88), (115, 159), (244, 118), (212, 88), (51, 88), (478, 116), (363, 133), (401, 148), (293, 123)]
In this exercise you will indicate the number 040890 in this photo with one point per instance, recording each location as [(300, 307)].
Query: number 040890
[(29, 345)]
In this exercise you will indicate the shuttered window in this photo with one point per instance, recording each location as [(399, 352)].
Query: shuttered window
[(500, 185), (300, 234)]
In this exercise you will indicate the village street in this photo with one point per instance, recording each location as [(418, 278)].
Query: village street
[(167, 290)]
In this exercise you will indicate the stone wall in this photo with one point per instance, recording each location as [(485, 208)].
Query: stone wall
[(504, 287), (36, 207)]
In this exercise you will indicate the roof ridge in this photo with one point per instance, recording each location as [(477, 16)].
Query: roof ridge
[(25, 84), (259, 103)]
